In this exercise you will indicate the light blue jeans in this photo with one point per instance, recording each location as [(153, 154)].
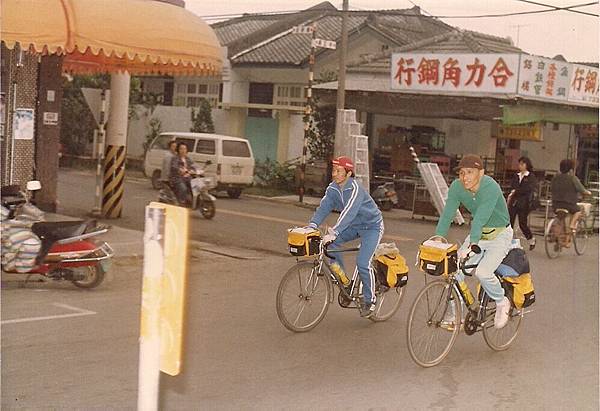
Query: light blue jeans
[(369, 240), (492, 254)]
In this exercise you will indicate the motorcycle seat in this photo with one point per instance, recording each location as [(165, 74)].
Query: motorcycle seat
[(51, 232)]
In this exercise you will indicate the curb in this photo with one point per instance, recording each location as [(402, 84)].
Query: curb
[(392, 215)]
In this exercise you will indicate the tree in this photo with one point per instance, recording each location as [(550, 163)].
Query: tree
[(77, 122), (202, 121), (321, 130)]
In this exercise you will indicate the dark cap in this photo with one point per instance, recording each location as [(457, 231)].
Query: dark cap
[(470, 161)]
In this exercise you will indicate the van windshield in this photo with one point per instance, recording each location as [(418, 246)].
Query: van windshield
[(189, 142), (162, 142), (235, 148)]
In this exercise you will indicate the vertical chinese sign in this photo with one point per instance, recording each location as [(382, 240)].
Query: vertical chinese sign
[(483, 73), (543, 78), (583, 86)]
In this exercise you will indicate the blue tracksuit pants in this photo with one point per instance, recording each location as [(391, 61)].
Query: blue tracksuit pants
[(369, 239)]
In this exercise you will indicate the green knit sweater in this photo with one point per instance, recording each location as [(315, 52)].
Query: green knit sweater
[(487, 206)]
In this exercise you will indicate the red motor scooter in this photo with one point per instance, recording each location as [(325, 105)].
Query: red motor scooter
[(67, 251)]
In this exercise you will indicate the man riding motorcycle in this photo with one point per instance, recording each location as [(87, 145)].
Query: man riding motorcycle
[(182, 170)]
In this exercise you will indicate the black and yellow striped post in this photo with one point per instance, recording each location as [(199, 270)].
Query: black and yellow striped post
[(114, 174)]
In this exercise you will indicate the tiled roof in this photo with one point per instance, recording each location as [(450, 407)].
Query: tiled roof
[(456, 41), (275, 44), (232, 30)]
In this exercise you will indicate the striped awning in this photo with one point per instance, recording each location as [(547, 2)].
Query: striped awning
[(138, 36)]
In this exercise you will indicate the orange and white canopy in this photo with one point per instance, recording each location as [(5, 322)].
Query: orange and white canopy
[(138, 36)]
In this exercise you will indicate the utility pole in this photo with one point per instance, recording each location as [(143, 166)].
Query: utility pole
[(341, 91), (308, 110)]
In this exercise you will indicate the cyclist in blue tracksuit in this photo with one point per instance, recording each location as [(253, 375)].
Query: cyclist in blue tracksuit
[(359, 218)]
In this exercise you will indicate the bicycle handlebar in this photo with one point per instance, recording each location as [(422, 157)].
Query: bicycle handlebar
[(475, 249)]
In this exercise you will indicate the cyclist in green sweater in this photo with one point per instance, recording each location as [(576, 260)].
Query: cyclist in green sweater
[(490, 227)]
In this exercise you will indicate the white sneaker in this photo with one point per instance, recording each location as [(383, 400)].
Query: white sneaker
[(449, 320), (502, 310)]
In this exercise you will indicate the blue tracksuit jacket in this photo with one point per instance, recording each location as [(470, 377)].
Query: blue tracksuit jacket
[(355, 204), (359, 218)]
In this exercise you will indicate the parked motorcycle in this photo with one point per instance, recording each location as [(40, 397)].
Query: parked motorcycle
[(385, 196), (65, 250), (199, 188)]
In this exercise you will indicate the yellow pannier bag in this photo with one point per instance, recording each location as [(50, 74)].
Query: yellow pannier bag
[(519, 290), (303, 241), (437, 258), (391, 270)]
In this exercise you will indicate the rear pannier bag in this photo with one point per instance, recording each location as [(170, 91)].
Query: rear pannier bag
[(437, 258), (391, 270), (519, 290), (303, 241)]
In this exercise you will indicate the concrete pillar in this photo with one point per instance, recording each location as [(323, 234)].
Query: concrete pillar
[(283, 132), (47, 137), (116, 138)]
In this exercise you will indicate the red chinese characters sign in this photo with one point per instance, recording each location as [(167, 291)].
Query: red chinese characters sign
[(485, 73), (583, 85)]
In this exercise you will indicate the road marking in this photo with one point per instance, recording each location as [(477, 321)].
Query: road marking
[(293, 222), (78, 313)]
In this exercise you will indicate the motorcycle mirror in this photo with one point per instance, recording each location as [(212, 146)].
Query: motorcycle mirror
[(34, 185)]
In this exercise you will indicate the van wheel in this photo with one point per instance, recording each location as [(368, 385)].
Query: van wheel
[(234, 192), (156, 184)]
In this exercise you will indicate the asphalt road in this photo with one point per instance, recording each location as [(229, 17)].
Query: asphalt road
[(64, 348)]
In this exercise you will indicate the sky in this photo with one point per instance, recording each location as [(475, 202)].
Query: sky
[(573, 35)]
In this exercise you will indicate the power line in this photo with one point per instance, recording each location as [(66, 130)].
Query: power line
[(568, 8), (509, 14)]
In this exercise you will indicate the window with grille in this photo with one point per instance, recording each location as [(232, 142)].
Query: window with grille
[(289, 95), (189, 94)]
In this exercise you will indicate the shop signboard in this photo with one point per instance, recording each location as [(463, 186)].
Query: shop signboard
[(583, 87), (460, 73), (532, 131), (543, 78)]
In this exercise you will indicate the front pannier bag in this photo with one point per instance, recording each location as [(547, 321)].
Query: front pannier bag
[(390, 267), (303, 241), (437, 258)]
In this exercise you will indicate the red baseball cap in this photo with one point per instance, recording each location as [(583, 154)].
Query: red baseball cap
[(343, 161)]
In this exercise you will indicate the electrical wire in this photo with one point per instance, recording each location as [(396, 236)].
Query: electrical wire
[(564, 8), (520, 13)]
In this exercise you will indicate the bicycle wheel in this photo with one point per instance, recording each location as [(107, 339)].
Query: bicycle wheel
[(303, 297), (552, 238), (500, 339), (580, 238), (431, 333), (387, 304)]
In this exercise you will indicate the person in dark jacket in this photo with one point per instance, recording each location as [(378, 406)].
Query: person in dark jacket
[(565, 188), (182, 168), (523, 187)]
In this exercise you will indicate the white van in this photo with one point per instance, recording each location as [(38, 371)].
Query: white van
[(231, 157)]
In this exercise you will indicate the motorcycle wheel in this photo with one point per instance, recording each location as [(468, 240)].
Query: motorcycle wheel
[(207, 209), (94, 275), (386, 206)]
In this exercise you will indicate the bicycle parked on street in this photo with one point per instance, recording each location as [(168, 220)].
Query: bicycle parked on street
[(307, 289), (434, 319), (558, 234)]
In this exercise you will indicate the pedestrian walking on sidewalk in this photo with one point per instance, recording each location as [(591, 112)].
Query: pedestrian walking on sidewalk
[(520, 201)]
